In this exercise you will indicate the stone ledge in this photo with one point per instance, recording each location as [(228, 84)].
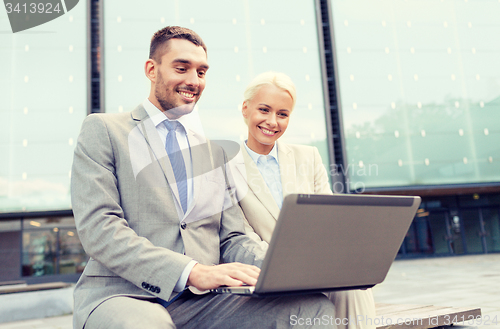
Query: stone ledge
[(36, 304), (399, 316)]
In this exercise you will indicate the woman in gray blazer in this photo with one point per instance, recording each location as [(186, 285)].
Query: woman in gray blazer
[(266, 170)]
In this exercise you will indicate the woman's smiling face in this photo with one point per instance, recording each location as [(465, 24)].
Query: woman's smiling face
[(267, 115)]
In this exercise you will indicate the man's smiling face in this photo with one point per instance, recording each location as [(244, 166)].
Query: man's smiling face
[(180, 78)]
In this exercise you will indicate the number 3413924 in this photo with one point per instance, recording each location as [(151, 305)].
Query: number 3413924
[(471, 320), (33, 8)]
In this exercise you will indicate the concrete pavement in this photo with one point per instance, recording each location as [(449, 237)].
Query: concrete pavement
[(472, 281)]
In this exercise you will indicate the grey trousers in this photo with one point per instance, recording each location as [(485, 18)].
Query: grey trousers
[(215, 311)]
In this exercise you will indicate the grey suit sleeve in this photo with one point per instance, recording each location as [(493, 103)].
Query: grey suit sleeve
[(104, 232)]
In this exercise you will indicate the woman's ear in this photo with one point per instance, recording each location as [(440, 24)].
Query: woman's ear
[(244, 109)]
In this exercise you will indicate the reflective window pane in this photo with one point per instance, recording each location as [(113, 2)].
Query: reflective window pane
[(72, 257), (492, 228), (419, 89), (39, 253), (471, 227), (49, 223), (43, 100), (51, 246), (440, 231)]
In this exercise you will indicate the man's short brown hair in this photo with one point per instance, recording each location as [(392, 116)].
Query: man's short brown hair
[(159, 41)]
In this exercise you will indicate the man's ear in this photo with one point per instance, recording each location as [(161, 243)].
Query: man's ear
[(150, 70)]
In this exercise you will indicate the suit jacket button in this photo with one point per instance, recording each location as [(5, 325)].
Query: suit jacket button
[(145, 285), (183, 226), (157, 290)]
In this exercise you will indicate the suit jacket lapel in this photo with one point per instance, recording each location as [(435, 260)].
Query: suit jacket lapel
[(257, 184), (287, 169), (148, 130)]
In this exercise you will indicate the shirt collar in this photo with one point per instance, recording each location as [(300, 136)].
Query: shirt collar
[(255, 156), (158, 116)]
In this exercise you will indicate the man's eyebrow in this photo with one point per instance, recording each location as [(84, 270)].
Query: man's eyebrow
[(185, 61), (180, 60)]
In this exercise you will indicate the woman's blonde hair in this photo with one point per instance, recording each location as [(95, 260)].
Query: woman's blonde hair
[(277, 79)]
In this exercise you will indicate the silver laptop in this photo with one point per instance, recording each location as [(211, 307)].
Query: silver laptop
[(332, 242)]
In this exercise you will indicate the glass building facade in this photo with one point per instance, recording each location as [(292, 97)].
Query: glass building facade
[(419, 90), (43, 101), (415, 91)]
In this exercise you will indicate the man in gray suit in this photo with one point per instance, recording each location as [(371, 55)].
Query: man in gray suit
[(155, 212)]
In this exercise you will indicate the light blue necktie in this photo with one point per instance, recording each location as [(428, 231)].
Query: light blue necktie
[(177, 161)]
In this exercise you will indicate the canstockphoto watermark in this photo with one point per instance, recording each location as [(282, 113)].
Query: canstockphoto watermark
[(435, 321), (25, 14), (327, 320)]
